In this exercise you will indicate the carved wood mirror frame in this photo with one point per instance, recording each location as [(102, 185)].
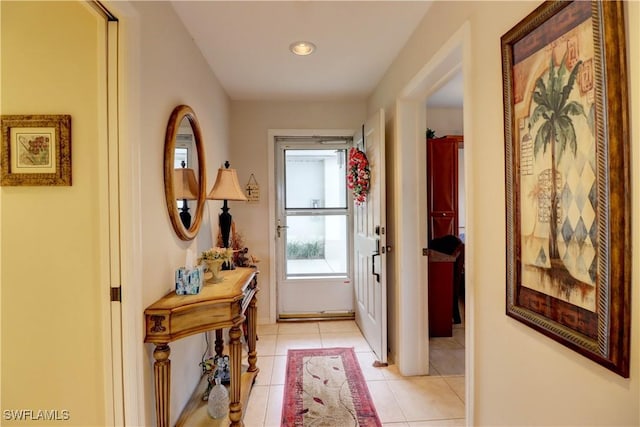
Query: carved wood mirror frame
[(179, 113)]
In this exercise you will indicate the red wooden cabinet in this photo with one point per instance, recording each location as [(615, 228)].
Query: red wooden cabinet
[(442, 186)]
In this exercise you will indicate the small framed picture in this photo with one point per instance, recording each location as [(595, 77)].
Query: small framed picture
[(36, 150)]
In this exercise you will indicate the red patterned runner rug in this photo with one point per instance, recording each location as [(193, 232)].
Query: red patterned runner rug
[(325, 387)]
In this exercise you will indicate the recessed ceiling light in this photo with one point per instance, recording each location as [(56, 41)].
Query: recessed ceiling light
[(302, 48)]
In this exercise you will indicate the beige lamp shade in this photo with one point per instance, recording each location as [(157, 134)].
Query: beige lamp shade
[(226, 186), (185, 185)]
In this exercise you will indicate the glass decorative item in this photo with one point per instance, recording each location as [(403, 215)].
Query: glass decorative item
[(218, 402)]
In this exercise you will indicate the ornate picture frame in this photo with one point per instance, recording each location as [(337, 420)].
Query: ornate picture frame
[(567, 177), (36, 150)]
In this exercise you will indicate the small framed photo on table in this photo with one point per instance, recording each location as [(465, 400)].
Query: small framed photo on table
[(36, 150)]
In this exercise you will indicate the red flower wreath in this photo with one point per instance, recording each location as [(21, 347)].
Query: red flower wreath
[(358, 175)]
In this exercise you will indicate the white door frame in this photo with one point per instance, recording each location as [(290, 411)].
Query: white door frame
[(411, 216), (271, 141), (324, 295), (109, 218), (128, 173)]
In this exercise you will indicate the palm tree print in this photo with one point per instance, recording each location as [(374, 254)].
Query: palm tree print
[(557, 132)]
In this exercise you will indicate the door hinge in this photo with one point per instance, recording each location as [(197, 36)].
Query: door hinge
[(116, 294), (425, 251)]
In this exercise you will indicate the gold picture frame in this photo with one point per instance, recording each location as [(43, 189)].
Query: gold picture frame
[(36, 150), (567, 177)]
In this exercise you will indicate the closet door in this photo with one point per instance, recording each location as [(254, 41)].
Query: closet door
[(442, 186)]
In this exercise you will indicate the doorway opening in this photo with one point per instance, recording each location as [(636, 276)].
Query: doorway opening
[(412, 343), (446, 226)]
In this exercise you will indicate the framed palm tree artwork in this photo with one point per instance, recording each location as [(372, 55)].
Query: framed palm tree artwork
[(568, 218)]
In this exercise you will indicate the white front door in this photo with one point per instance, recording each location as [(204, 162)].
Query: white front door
[(370, 273), (313, 227)]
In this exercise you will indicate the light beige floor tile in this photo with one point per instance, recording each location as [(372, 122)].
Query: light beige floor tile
[(265, 364), (330, 326), (279, 370), (444, 343), (293, 341), (458, 335), (298, 328), (456, 422), (433, 372), (267, 329), (266, 345), (457, 384), (256, 408), (391, 372), (425, 401), (426, 398), (274, 406), (385, 402), (448, 361), (370, 373), (346, 339)]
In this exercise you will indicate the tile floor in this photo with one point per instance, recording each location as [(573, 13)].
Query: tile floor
[(434, 400)]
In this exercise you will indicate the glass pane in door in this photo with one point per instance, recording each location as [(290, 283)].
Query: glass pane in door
[(316, 213), (316, 245), (315, 179)]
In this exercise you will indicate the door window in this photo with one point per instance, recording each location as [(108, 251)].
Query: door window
[(315, 213)]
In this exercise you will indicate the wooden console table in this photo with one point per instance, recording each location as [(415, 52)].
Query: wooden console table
[(217, 306)]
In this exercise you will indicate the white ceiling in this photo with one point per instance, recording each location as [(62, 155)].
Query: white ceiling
[(246, 44)]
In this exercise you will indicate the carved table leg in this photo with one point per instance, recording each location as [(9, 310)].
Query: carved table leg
[(219, 344), (235, 359), (162, 376), (251, 342)]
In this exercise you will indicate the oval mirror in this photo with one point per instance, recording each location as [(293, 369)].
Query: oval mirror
[(184, 172)]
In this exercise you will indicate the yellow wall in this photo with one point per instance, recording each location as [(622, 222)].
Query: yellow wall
[(52, 290), (520, 377)]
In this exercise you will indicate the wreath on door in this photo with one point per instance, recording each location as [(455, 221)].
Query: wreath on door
[(359, 176)]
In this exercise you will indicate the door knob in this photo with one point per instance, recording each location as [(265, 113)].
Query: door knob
[(280, 227)]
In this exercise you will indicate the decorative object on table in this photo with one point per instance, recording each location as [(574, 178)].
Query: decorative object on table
[(325, 386), (208, 367), (358, 175), (214, 258), (218, 400), (215, 367), (253, 261), (226, 188), (431, 133), (189, 280), (241, 257), (567, 177), (223, 372), (252, 189), (186, 188), (36, 150)]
